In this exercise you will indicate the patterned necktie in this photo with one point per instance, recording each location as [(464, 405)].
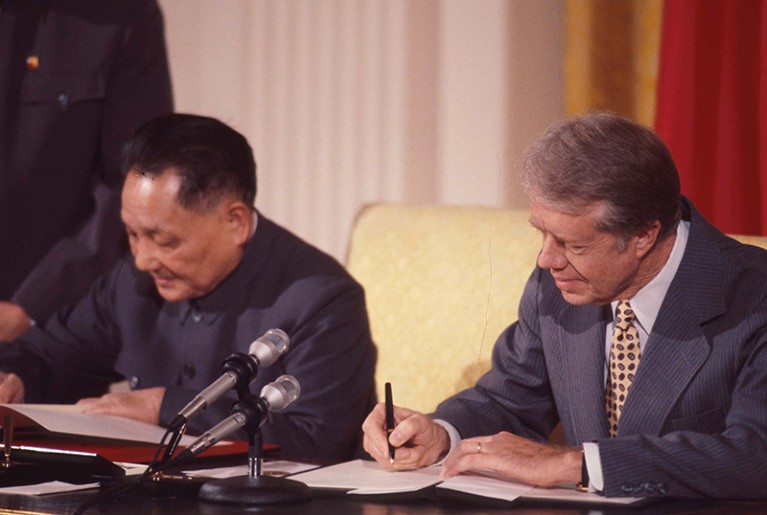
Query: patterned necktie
[(624, 359)]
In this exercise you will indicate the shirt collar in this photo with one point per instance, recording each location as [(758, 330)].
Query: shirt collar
[(255, 224), (646, 303)]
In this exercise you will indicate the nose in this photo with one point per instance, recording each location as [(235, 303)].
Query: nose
[(551, 255), (144, 255)]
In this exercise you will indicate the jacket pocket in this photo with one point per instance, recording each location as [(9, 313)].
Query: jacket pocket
[(59, 124), (62, 91)]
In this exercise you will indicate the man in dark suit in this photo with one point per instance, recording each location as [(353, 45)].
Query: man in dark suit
[(76, 79), (666, 397), (208, 275)]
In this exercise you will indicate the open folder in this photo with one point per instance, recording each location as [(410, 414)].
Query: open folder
[(361, 477), (117, 439)]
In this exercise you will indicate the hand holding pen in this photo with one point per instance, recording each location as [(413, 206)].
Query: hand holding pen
[(413, 441)]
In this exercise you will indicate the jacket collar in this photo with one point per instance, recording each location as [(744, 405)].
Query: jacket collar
[(678, 345), (207, 309)]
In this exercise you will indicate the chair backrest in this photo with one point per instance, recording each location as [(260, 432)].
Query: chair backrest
[(441, 284), (759, 241)]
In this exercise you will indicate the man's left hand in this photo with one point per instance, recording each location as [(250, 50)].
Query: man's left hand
[(519, 458), (14, 320), (142, 405)]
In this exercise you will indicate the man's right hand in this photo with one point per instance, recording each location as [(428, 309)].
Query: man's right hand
[(11, 389), (419, 441)]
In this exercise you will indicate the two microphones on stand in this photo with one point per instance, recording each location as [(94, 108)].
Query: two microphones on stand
[(239, 370)]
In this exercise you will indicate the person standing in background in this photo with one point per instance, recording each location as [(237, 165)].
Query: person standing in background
[(76, 79)]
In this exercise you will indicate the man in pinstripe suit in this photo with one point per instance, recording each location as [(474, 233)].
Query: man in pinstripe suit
[(605, 196)]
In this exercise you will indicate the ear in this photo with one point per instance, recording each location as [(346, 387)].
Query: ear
[(645, 240), (239, 219)]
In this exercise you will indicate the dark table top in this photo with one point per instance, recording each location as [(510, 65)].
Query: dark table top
[(181, 497), (169, 501)]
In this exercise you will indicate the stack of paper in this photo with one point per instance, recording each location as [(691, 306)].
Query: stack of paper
[(360, 477)]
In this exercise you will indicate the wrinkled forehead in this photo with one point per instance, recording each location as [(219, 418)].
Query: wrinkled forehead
[(143, 189), (150, 197), (144, 181), (597, 209)]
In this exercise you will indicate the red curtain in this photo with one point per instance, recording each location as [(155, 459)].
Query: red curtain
[(712, 107)]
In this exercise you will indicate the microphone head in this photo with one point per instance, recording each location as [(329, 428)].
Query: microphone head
[(266, 349), (280, 393)]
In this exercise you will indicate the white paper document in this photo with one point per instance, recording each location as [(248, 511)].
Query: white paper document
[(69, 419), (486, 487), (52, 487), (368, 477), (362, 477)]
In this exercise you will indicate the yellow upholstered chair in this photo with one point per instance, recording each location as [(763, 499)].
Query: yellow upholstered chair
[(441, 283), (759, 241)]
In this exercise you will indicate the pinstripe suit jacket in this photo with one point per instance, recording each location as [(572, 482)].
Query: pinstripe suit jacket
[(695, 421)]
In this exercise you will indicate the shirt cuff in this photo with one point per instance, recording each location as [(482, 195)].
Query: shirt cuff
[(594, 466), (452, 433)]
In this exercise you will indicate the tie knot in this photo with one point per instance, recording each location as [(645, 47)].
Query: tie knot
[(624, 315)]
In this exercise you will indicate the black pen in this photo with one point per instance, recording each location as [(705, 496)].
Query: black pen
[(389, 420)]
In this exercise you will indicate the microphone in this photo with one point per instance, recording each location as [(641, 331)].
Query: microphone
[(249, 413), (239, 371)]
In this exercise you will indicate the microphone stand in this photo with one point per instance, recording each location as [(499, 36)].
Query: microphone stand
[(172, 445), (255, 488)]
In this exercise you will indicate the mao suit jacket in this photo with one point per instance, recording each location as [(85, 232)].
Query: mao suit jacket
[(694, 423), (123, 329)]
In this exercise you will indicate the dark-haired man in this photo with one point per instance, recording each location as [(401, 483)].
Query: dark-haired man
[(208, 274), (643, 330)]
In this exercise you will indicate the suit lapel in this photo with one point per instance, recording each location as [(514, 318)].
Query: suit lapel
[(580, 341), (677, 346)]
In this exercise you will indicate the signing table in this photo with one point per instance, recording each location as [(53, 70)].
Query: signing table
[(174, 498), (336, 504)]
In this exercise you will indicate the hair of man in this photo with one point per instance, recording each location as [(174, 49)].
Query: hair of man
[(212, 160), (604, 158)]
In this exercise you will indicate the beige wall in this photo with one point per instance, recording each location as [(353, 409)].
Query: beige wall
[(348, 102)]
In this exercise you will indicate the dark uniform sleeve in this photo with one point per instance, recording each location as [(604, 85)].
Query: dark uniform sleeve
[(74, 355), (332, 357)]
